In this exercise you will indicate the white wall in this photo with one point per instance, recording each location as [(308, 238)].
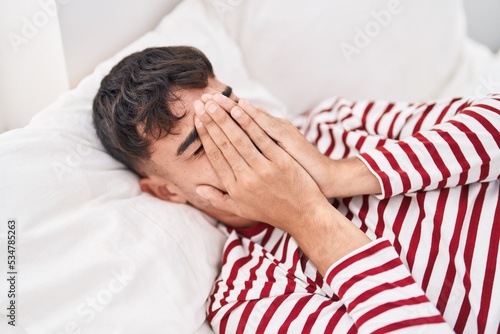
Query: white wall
[(32, 68), (45, 50), (93, 30), (483, 17)]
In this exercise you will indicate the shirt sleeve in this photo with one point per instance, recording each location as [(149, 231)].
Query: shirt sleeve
[(380, 294), (463, 149), (411, 147), (368, 291), (258, 292)]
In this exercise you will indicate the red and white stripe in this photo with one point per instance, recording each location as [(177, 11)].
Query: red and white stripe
[(438, 165), (383, 298)]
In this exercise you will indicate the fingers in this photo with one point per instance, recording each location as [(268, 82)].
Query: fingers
[(273, 126), (225, 102), (284, 133), (230, 139), (291, 140), (216, 157), (258, 136)]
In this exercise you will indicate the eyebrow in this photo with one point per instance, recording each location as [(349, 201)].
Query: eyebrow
[(193, 135), (191, 138)]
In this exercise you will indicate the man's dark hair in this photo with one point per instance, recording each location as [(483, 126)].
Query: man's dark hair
[(131, 108)]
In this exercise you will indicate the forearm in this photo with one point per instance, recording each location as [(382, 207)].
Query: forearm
[(465, 149), (381, 295), (408, 147), (351, 177), (258, 295), (376, 290), (325, 236)]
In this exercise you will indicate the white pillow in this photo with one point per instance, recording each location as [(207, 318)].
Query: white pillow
[(305, 51), (94, 253)]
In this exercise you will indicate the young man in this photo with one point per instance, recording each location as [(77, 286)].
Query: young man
[(313, 267)]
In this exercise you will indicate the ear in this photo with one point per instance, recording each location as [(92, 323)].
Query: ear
[(162, 188)]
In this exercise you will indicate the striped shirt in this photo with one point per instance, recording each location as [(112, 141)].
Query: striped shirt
[(433, 264)]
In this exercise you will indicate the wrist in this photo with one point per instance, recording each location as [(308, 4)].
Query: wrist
[(326, 236), (351, 177)]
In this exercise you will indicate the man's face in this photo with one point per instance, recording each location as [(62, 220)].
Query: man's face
[(179, 164)]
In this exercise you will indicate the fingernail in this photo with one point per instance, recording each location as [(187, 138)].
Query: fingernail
[(212, 108), (219, 97), (197, 122), (236, 112), (199, 108)]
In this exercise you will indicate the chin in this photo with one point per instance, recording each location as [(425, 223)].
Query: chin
[(226, 218), (232, 220), (239, 223)]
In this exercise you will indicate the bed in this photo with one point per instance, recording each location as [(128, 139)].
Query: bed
[(96, 255)]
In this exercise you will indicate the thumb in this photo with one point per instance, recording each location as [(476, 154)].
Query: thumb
[(217, 198), (208, 192)]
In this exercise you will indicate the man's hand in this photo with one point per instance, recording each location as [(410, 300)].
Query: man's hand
[(335, 178), (264, 183)]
